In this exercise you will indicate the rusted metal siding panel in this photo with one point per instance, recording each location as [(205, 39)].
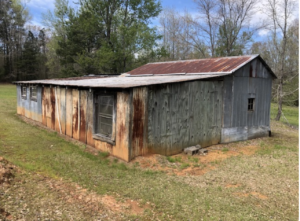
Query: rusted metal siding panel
[(104, 146), (83, 110), (75, 114), (69, 112), (48, 106), (139, 100), (19, 100), (26, 104), (185, 114), (121, 149), (90, 119), (52, 108), (57, 109), (44, 105), (39, 103), (62, 109)]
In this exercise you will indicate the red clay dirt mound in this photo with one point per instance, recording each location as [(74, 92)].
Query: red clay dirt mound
[(6, 172), (6, 177)]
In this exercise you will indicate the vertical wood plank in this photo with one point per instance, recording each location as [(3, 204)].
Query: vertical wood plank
[(48, 106), (83, 107), (69, 112), (75, 114), (63, 110), (52, 108), (121, 149), (89, 119), (57, 109), (44, 106)]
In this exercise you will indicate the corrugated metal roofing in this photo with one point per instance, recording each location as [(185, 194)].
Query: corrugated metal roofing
[(160, 73), (121, 82), (207, 65)]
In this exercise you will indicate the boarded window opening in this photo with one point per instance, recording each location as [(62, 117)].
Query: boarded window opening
[(24, 92), (33, 93), (251, 104), (104, 114)]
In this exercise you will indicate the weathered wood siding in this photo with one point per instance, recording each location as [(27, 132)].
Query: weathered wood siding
[(138, 122), (82, 115), (122, 124), (62, 110), (239, 123), (90, 119), (69, 112), (75, 114), (184, 114), (30, 108)]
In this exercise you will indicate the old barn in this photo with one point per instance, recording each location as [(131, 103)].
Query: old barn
[(157, 108)]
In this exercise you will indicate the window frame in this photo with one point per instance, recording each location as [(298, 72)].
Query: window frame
[(251, 104), (24, 96), (30, 94), (96, 115)]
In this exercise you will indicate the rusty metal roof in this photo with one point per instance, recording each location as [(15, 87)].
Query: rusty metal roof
[(159, 73), (207, 65)]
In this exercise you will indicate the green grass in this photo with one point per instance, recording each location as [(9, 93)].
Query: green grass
[(290, 113), (175, 197), (173, 159)]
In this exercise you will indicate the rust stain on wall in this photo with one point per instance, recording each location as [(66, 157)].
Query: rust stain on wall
[(44, 107), (69, 112), (52, 100), (82, 131), (104, 146), (121, 131), (138, 123), (75, 119)]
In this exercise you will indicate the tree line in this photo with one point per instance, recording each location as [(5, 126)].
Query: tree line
[(115, 36)]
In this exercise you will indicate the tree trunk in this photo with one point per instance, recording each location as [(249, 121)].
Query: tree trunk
[(279, 102)]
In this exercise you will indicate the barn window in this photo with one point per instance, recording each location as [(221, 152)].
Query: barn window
[(251, 72), (24, 92), (33, 93), (251, 104), (104, 116)]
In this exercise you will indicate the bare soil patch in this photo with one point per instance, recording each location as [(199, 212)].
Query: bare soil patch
[(195, 165), (6, 172), (34, 196)]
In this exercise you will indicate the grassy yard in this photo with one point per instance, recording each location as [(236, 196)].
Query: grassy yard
[(59, 180), (290, 114)]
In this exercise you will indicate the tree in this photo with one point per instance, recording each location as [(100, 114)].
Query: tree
[(13, 16), (56, 23), (181, 36), (29, 63), (208, 22), (42, 59), (225, 25), (280, 13)]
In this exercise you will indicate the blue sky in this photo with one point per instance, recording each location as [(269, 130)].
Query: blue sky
[(37, 7)]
